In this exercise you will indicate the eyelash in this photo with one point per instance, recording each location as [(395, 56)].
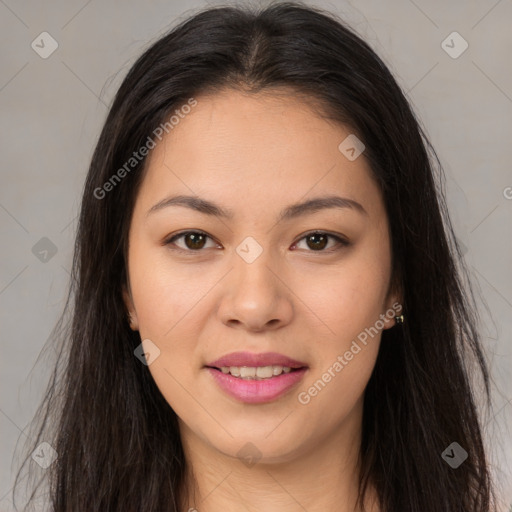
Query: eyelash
[(341, 241)]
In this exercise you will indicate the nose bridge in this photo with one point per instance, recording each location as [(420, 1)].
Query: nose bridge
[(255, 296), (253, 263)]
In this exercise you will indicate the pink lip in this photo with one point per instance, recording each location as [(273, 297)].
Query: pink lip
[(256, 391), (254, 360)]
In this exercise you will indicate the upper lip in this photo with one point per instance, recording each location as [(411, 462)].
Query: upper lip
[(254, 360)]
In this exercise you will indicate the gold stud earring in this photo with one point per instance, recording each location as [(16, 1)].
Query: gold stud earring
[(399, 319)]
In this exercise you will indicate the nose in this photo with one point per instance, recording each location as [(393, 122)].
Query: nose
[(255, 296)]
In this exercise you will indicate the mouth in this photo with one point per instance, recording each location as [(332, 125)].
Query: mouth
[(256, 378), (257, 384)]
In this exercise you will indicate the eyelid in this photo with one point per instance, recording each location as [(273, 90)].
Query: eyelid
[(342, 241), (170, 240)]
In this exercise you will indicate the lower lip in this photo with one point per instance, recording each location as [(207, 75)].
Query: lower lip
[(257, 391)]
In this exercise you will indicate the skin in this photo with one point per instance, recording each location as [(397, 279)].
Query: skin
[(256, 154)]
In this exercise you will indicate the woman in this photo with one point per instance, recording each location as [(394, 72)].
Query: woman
[(269, 310)]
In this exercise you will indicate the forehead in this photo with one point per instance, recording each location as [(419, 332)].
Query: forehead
[(242, 149)]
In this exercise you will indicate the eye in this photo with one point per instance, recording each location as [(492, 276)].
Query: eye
[(194, 240), (318, 240)]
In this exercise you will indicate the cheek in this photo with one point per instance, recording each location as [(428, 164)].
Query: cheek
[(345, 299), (168, 305), (170, 313), (345, 357), (165, 295)]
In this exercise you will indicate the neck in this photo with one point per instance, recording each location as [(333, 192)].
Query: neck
[(320, 477)]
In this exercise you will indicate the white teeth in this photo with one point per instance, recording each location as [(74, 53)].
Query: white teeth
[(245, 371), (255, 373), (264, 372), (277, 369)]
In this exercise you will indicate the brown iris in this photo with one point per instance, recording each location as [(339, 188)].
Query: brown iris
[(320, 240), (197, 240)]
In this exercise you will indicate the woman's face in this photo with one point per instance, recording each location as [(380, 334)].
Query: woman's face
[(257, 283)]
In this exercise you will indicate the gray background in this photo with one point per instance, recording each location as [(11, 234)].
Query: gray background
[(53, 110)]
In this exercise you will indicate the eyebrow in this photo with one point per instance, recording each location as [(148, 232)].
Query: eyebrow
[(290, 212)]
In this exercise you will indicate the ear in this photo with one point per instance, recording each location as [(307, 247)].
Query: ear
[(130, 308), (393, 305)]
